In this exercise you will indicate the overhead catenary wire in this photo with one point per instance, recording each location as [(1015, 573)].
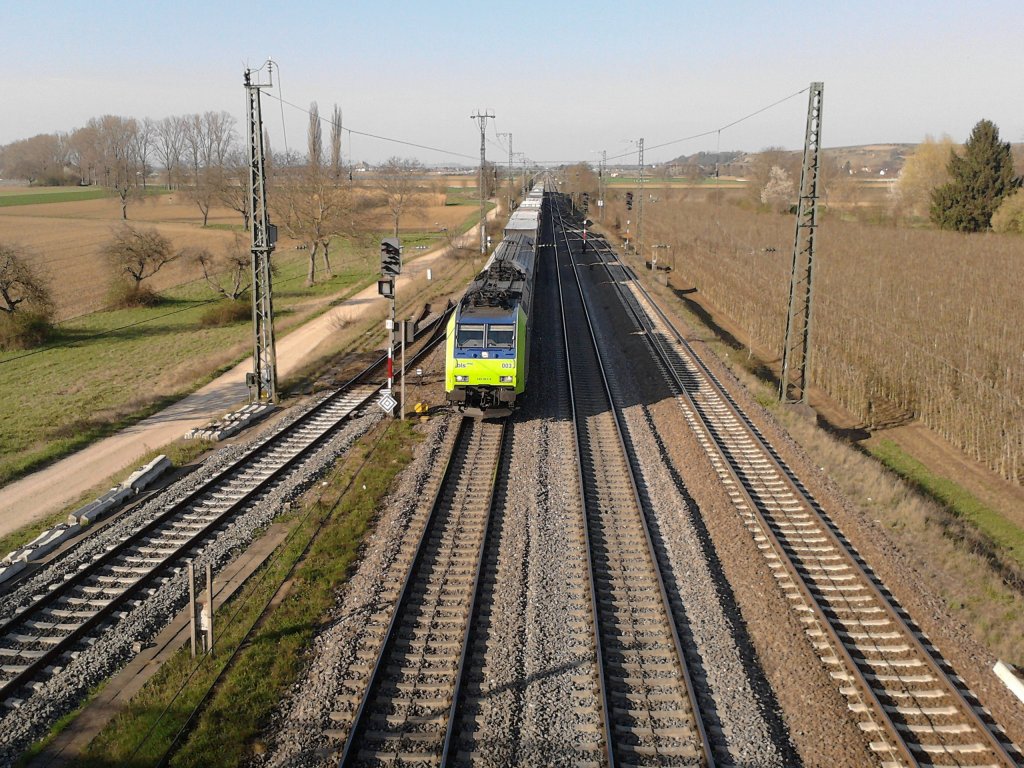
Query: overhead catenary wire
[(352, 131), (692, 137)]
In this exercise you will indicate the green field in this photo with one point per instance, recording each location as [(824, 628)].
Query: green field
[(108, 369), (18, 195)]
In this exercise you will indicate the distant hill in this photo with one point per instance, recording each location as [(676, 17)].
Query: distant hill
[(866, 160)]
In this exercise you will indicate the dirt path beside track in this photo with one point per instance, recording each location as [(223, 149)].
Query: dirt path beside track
[(46, 491)]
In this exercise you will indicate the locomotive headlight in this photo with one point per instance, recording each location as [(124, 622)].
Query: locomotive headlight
[(461, 379), (505, 379)]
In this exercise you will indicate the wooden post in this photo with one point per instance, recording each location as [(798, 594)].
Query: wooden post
[(209, 607), (192, 604)]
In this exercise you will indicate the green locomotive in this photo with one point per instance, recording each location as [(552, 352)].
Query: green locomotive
[(488, 342)]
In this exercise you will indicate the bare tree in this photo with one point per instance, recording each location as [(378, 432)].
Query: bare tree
[(397, 178), (234, 189), (193, 138), (117, 150), (219, 130), (336, 143), (314, 137), (311, 206), (312, 210), (207, 189), (135, 255), (40, 158), (84, 153), (170, 144), (142, 143), (580, 178), (21, 284), (228, 274)]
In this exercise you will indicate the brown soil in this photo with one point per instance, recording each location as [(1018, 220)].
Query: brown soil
[(64, 239)]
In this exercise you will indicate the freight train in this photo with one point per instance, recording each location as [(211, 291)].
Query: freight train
[(488, 344)]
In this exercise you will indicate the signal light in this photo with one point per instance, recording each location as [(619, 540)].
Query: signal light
[(390, 257), (629, 201)]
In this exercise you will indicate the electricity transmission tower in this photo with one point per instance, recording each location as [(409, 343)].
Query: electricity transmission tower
[(482, 120), (262, 382), (796, 350)]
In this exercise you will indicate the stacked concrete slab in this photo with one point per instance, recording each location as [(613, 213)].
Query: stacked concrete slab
[(50, 539), (232, 423)]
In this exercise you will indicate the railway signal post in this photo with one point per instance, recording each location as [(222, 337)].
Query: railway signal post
[(390, 268)]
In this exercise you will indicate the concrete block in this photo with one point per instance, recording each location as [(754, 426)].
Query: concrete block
[(1011, 678), (102, 505), (146, 474), (8, 571), (50, 540), (20, 555)]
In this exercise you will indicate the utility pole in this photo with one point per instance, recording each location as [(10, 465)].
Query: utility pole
[(511, 194), (794, 383), (482, 121), (640, 211), (262, 381), (600, 182)]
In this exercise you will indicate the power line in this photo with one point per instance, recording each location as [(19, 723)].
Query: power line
[(352, 132), (716, 130)]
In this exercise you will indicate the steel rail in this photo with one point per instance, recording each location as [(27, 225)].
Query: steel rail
[(652, 551), (96, 618), (827, 527), (602, 683), (446, 758), (350, 753)]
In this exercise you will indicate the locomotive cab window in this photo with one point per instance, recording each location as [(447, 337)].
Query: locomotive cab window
[(470, 336), (501, 336)]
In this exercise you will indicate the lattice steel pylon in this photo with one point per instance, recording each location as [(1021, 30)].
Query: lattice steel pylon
[(262, 381), (482, 118), (796, 349)]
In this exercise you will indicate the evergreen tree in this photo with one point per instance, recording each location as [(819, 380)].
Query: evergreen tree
[(979, 180)]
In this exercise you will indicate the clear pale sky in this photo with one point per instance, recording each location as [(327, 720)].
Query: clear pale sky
[(567, 78)]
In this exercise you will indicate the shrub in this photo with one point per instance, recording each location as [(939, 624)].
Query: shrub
[(125, 295), (1009, 217), (226, 312), (24, 330)]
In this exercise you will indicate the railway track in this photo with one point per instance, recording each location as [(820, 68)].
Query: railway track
[(38, 640), (651, 715), (407, 711), (915, 708)]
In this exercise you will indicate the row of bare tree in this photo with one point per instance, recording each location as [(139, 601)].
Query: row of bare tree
[(120, 153)]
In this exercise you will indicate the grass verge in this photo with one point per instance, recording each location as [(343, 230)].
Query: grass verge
[(1001, 534), (59, 195), (261, 650), (110, 369)]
